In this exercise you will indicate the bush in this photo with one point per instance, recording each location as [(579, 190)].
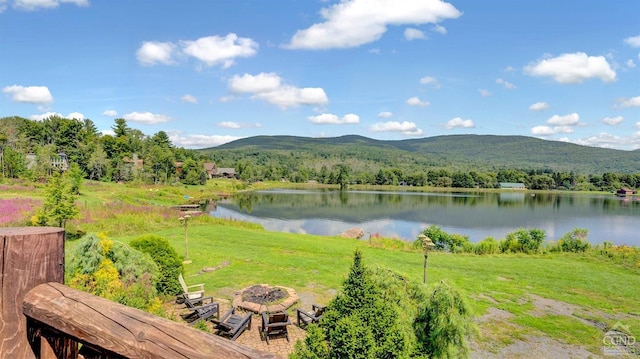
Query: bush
[(575, 241), (454, 242), (114, 271), (523, 240), (443, 324), (487, 246), (167, 259)]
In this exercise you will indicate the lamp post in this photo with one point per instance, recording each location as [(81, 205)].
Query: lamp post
[(427, 246), (184, 221)]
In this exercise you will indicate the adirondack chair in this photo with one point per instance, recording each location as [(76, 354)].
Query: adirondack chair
[(231, 325), (274, 324), (202, 312), (188, 293), (306, 318)]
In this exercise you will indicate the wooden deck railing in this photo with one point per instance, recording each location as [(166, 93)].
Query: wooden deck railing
[(42, 318), (60, 317)]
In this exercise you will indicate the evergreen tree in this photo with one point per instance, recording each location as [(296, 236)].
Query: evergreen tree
[(59, 203), (443, 324)]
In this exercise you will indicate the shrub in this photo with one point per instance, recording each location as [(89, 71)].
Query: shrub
[(523, 240), (443, 324), (487, 246), (444, 241), (575, 241), (167, 259), (114, 271)]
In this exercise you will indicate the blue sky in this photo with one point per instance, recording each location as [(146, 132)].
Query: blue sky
[(209, 72)]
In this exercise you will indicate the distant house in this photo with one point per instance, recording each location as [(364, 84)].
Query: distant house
[(512, 185), (225, 173), (59, 161), (210, 168), (625, 192), (136, 164)]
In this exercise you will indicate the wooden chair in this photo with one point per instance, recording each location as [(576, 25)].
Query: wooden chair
[(231, 325), (200, 309), (274, 324), (306, 318), (187, 292)]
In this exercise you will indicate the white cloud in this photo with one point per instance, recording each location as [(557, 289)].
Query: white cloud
[(573, 68), (430, 80), (217, 50), (226, 99), (351, 23), (633, 41), (539, 106), (385, 114), (31, 5), (108, 132), (147, 118), (548, 130), (269, 87), (211, 50), (607, 140), (630, 64), (459, 123), (414, 34), (42, 117), (484, 92), (630, 102), (29, 94), (439, 29), (110, 113), (76, 115), (414, 101), (237, 125), (506, 84), (152, 52), (189, 98), (198, 141), (406, 128), (328, 118), (613, 120), (566, 120), (262, 82)]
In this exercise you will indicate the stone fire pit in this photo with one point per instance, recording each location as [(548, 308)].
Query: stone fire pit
[(263, 297)]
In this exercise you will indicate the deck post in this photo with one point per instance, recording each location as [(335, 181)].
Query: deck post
[(29, 256)]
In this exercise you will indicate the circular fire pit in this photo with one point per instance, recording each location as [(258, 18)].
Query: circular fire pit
[(263, 297)]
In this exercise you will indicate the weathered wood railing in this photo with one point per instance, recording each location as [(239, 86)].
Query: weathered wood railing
[(61, 317), (42, 318)]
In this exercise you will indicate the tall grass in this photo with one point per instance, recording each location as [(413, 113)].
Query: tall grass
[(17, 211)]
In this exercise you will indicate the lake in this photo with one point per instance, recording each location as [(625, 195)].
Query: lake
[(405, 214)]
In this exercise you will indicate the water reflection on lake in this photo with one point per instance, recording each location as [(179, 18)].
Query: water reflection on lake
[(405, 214)]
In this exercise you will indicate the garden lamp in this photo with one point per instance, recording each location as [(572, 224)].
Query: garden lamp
[(427, 246), (185, 222)]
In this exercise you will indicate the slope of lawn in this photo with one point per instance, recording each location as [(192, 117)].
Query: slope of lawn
[(591, 293)]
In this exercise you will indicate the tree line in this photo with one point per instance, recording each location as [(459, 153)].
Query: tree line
[(111, 157)]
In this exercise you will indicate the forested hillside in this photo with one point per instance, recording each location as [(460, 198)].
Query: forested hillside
[(463, 152), (33, 150)]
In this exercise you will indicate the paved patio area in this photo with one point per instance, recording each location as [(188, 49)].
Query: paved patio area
[(251, 337)]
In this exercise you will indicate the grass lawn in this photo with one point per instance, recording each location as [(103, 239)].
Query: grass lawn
[(580, 292)]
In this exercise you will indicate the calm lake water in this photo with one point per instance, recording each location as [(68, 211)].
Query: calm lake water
[(404, 214)]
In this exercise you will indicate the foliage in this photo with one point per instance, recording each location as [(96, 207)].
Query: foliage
[(523, 240), (487, 246), (359, 323), (167, 259), (114, 271), (314, 345), (448, 242), (444, 323), (59, 203), (574, 241)]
